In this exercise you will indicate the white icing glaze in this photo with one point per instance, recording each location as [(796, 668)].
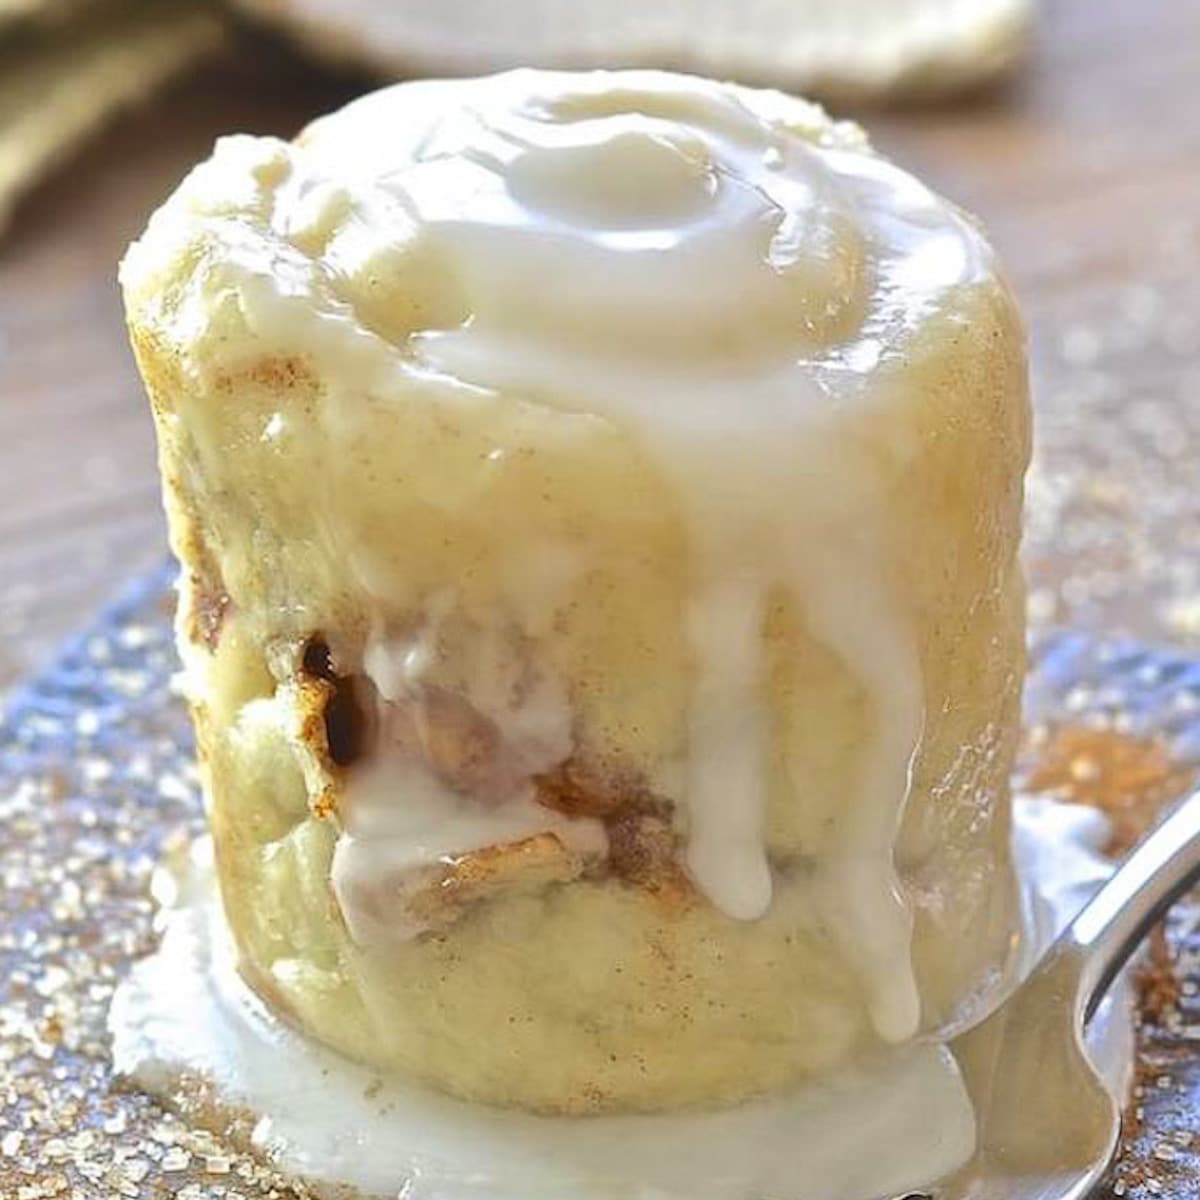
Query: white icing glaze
[(883, 1128), (718, 273), (859, 894)]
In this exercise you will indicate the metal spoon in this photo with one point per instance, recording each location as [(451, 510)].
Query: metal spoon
[(1048, 1126)]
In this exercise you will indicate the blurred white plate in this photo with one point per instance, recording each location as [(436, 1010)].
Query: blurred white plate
[(831, 48)]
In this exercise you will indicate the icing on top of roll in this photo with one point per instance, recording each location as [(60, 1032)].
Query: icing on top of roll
[(726, 276), (635, 220)]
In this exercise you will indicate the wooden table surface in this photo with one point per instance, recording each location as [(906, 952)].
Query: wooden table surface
[(1086, 169)]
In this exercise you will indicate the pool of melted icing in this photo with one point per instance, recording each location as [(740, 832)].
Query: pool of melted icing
[(891, 1125)]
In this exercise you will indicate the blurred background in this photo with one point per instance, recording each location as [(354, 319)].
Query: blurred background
[(1071, 128)]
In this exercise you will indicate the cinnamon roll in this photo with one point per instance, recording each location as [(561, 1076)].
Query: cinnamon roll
[(597, 498)]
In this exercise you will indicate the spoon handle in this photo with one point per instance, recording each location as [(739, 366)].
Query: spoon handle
[(1164, 865)]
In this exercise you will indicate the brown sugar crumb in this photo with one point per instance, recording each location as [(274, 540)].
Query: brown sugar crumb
[(280, 373), (643, 850), (1128, 778), (577, 788), (1157, 981), (643, 847), (325, 805), (277, 373)]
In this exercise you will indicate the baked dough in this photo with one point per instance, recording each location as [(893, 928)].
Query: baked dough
[(598, 499)]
